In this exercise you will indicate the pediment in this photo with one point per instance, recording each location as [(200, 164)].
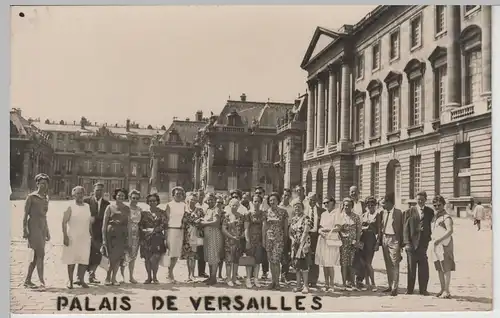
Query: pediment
[(438, 52), (374, 84), (414, 65), (321, 39), (393, 77)]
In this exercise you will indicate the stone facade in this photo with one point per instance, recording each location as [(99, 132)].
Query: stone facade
[(240, 148), (404, 100)]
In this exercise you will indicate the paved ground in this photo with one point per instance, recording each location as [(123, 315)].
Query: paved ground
[(472, 283)]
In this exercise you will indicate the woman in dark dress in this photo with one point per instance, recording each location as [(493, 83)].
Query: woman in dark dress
[(152, 234), (115, 234), (35, 228), (300, 225), (219, 204), (370, 223)]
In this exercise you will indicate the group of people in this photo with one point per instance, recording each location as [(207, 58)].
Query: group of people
[(279, 233)]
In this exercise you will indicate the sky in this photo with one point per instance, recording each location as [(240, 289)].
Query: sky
[(153, 63)]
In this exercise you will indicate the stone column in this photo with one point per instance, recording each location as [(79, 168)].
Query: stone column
[(153, 181), (486, 48), (345, 102), (26, 166), (210, 160), (310, 117), (332, 106), (255, 166), (454, 66), (320, 142), (196, 170)]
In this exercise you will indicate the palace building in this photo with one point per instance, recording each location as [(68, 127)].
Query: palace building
[(240, 149), (401, 102)]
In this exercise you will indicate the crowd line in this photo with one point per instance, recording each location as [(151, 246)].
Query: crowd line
[(276, 233)]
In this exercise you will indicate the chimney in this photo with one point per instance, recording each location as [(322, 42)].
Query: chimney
[(243, 97), (128, 125), (199, 116)]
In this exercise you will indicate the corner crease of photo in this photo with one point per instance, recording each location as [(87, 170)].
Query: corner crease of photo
[(251, 159)]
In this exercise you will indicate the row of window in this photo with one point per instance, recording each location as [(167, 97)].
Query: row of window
[(416, 97), (415, 39), (461, 175), (233, 151)]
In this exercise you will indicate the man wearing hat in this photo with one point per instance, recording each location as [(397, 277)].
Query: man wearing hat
[(314, 212), (391, 238)]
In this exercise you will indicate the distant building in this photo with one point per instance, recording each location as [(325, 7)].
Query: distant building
[(401, 102), (30, 154), (239, 147)]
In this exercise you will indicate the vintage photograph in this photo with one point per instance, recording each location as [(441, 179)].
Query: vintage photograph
[(250, 159)]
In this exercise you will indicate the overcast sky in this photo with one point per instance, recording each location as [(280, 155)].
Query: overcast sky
[(152, 63)]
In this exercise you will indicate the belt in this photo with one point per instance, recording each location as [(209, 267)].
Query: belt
[(389, 234)]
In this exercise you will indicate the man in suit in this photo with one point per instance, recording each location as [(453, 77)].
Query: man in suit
[(97, 207), (314, 212), (416, 238), (391, 238)]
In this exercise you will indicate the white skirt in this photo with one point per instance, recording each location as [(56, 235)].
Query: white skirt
[(327, 256), (78, 251), (175, 239)]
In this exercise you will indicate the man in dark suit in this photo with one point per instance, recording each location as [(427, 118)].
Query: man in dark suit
[(314, 213), (416, 238), (97, 207), (391, 238)]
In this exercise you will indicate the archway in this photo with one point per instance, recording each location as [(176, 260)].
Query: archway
[(331, 182), (319, 185), (393, 181), (309, 182)]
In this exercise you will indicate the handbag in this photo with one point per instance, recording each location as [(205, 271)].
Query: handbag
[(104, 264), (246, 260), (165, 260), (333, 240)]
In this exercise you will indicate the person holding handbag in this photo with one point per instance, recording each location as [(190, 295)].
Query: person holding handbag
[(192, 237), (300, 225), (328, 248), (350, 234)]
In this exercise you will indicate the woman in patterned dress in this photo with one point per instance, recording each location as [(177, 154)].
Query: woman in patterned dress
[(274, 231), (300, 225), (233, 227), (444, 259), (152, 233), (255, 220), (212, 239), (191, 222), (115, 234), (133, 235), (370, 225), (35, 228), (220, 206), (350, 234)]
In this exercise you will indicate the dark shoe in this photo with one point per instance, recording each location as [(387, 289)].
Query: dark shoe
[(84, 285), (77, 283), (92, 280), (424, 293), (264, 276), (313, 285), (387, 290), (394, 292), (409, 292), (203, 275)]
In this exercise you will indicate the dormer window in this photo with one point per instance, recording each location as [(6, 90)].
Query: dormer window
[(233, 118)]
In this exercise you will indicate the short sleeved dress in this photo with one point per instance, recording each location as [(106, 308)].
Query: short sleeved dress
[(235, 225), (152, 242), (301, 253), (37, 206), (255, 219), (445, 261), (213, 246), (117, 232), (275, 235), (133, 232), (78, 250)]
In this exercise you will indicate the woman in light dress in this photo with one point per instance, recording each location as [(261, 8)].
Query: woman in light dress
[(133, 236), (115, 234), (212, 239), (442, 232), (175, 211), (328, 248), (76, 227)]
